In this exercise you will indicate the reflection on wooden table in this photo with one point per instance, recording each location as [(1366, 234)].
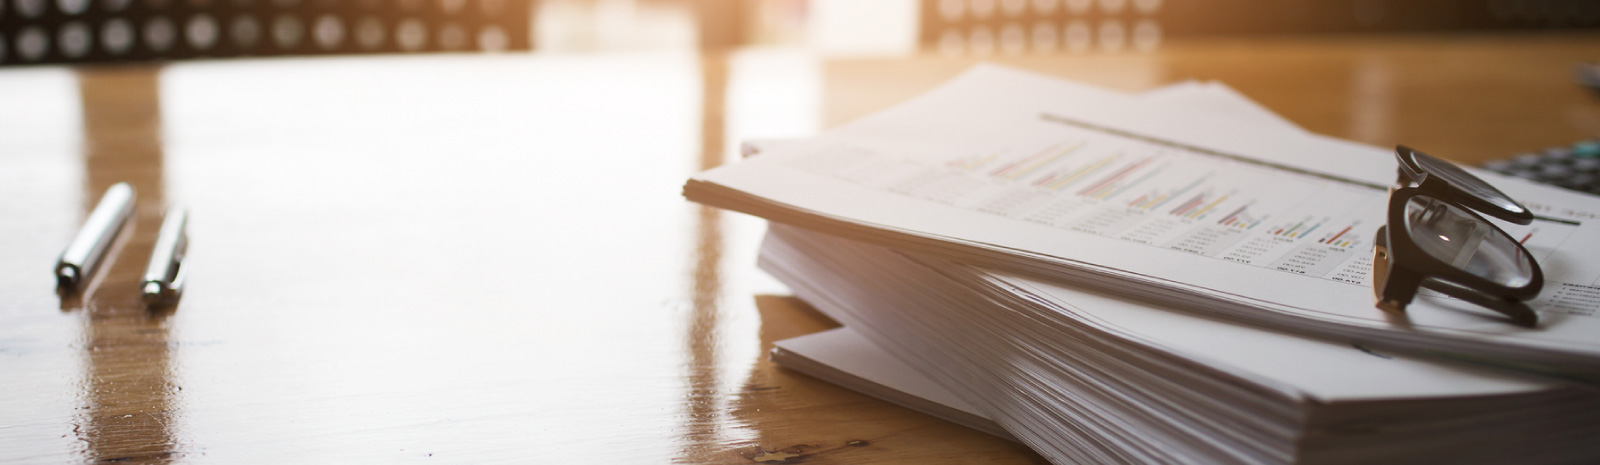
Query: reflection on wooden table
[(477, 259)]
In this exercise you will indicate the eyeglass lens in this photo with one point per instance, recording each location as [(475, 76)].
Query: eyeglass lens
[(1464, 241), (1465, 181)]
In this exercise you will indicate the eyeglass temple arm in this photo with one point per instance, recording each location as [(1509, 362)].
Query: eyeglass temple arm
[(1519, 313)]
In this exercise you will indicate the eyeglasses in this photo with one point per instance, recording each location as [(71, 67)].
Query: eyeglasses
[(1434, 239)]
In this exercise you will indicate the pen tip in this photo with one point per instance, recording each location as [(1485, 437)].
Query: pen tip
[(152, 293), (66, 277)]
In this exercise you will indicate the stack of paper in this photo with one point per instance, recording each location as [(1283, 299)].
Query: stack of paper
[(1204, 214), (1089, 378), (843, 356), (1046, 183)]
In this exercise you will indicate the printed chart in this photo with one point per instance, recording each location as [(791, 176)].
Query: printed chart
[(1161, 194)]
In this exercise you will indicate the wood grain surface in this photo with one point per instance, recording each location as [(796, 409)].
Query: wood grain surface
[(485, 259)]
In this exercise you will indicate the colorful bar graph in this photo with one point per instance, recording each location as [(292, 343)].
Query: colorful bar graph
[(1060, 180), (1340, 234), (1239, 219), (972, 163), (1164, 198), (1189, 205), (1233, 215), (1334, 239), (1202, 211), (1133, 184), (1297, 231), (1096, 188), (1032, 163)]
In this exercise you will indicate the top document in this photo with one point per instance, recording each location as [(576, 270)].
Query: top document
[(1026, 173)]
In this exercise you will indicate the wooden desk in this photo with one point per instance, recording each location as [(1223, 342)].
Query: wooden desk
[(459, 259)]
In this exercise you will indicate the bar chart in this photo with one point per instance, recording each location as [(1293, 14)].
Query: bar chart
[(1191, 201)]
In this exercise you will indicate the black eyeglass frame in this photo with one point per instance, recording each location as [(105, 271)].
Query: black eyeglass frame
[(1401, 267)]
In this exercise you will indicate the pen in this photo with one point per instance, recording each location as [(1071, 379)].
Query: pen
[(163, 278), (89, 247)]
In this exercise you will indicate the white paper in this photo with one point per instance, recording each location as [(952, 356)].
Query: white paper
[(1075, 178), (872, 371), (1163, 386)]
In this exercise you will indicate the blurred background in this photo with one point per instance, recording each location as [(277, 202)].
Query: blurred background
[(484, 184), (66, 31)]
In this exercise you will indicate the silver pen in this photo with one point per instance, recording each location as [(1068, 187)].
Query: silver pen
[(86, 251), (163, 278)]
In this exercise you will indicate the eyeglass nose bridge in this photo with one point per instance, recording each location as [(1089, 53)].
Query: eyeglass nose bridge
[(1433, 213)]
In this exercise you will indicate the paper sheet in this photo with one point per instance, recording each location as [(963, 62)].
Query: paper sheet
[(1277, 224), (847, 353)]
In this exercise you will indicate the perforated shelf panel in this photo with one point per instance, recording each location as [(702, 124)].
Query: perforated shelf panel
[(96, 31)]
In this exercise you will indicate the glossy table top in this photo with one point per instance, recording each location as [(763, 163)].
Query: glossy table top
[(486, 259)]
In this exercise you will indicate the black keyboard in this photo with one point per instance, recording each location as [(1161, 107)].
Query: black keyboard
[(1575, 167)]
